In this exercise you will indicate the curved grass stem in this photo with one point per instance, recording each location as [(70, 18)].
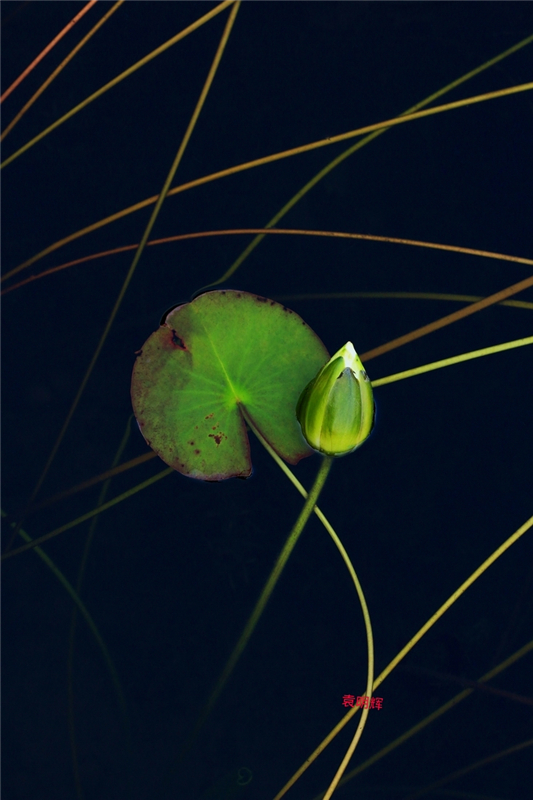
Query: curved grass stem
[(379, 127), (287, 232), (264, 597), (439, 712), (364, 608), (88, 619), (98, 510), (408, 647), (160, 200)]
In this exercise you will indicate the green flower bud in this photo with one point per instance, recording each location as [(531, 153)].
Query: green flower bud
[(336, 409)]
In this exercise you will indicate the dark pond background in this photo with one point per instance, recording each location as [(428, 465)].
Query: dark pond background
[(173, 572)]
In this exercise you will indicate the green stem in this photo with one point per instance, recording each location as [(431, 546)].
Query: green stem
[(85, 614), (368, 628), (283, 557)]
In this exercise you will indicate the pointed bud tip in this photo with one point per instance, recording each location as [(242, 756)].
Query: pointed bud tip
[(337, 417)]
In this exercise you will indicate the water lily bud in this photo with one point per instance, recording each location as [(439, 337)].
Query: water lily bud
[(336, 409)]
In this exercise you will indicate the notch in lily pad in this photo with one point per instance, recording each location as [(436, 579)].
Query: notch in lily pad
[(216, 362)]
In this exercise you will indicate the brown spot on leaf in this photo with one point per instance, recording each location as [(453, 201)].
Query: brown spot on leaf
[(176, 340)]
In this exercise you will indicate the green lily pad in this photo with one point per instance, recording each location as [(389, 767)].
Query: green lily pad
[(223, 358)]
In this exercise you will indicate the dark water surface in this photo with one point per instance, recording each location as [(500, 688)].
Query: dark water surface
[(173, 573)]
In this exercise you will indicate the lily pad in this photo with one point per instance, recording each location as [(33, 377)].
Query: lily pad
[(225, 357)]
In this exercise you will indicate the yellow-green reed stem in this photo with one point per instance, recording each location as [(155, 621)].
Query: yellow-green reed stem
[(379, 126), (362, 600), (274, 577), (49, 47), (455, 596), (142, 244), (442, 322), (103, 476), (516, 656), (181, 35), (448, 362), (73, 523), (454, 298), (353, 148), (59, 69), (409, 646), (379, 382)]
